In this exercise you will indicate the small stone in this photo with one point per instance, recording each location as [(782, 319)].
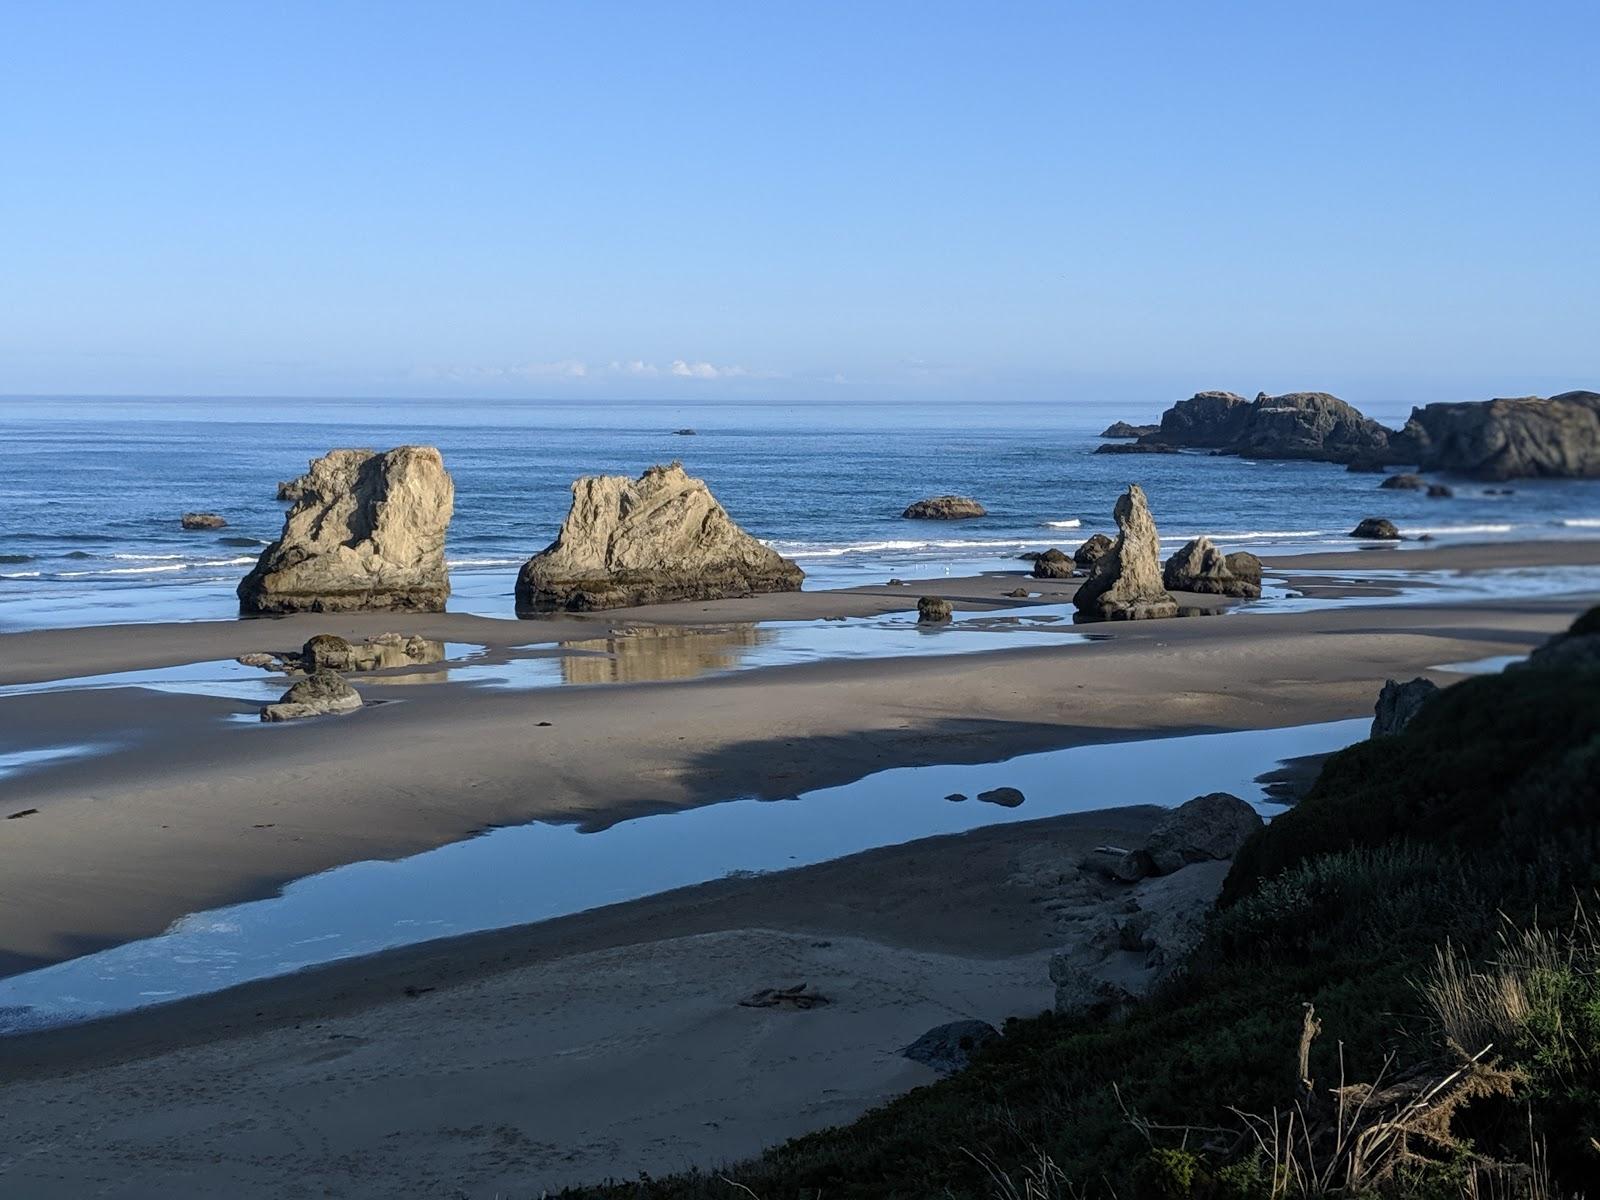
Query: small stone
[(933, 610)]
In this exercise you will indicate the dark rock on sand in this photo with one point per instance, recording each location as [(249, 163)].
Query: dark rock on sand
[(1005, 797), (1121, 429), (1526, 437), (1405, 483), (945, 508), (1020, 593), (319, 694), (1208, 828), (950, 1047), (1376, 529), (1200, 567), (202, 520), (1053, 564), (1398, 703), (367, 533), (933, 610), (1092, 551), (657, 538), (1125, 584)]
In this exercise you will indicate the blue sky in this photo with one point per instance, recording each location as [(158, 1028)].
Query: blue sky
[(887, 200)]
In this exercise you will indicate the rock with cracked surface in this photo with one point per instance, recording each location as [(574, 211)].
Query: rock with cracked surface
[(1125, 584), (319, 694), (1208, 828), (1523, 437), (661, 537), (1200, 567), (366, 534), (933, 610)]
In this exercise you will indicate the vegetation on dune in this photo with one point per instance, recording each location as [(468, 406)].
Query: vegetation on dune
[(1399, 996)]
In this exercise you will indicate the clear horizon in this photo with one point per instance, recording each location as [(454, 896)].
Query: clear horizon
[(708, 202)]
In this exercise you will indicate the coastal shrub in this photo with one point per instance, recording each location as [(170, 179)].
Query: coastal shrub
[(1483, 761)]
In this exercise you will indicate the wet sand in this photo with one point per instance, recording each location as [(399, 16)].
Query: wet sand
[(188, 811)]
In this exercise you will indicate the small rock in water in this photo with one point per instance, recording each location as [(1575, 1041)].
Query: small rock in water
[(1376, 529), (933, 610), (1405, 483), (1005, 797), (683, 433), (1440, 491), (956, 797), (318, 694), (1053, 564), (950, 1047), (202, 520), (944, 508)]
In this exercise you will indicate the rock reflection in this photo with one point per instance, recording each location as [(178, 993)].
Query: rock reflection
[(649, 653)]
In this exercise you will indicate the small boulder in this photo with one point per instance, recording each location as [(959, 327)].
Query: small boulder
[(319, 694), (1005, 797), (1020, 593), (1376, 529), (1207, 828), (933, 610), (1398, 703), (202, 520), (1200, 567), (1125, 584), (1092, 551), (950, 1047), (1440, 491), (1404, 483), (945, 508), (1053, 564)]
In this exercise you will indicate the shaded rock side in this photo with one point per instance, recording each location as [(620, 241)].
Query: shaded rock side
[(366, 534), (944, 508), (1526, 437), (1200, 567), (1053, 564), (1376, 529), (1125, 584), (1208, 828), (1092, 550), (1398, 703), (650, 540)]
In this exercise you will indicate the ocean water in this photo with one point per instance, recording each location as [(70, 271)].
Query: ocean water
[(92, 489)]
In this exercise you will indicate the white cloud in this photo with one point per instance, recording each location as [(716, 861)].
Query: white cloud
[(705, 370)]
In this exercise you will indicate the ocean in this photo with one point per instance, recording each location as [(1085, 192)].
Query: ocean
[(92, 489)]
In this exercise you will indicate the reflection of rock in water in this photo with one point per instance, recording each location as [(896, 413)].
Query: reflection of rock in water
[(642, 653)]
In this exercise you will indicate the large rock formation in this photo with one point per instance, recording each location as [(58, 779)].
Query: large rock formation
[(649, 540), (1125, 584), (1507, 439), (1200, 567), (367, 533), (944, 508), (1308, 425)]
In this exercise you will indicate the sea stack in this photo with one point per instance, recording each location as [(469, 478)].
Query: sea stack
[(1125, 584), (1200, 567), (657, 538), (366, 534)]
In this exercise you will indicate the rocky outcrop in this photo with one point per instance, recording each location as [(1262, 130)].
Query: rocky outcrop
[(320, 694), (1121, 429), (1200, 567), (202, 520), (1053, 564), (945, 508), (1578, 649), (1140, 447), (950, 1047), (933, 610), (1526, 437), (1092, 551), (1125, 584), (1208, 828), (1376, 529), (1404, 483), (658, 538), (367, 533), (1297, 425), (1398, 703)]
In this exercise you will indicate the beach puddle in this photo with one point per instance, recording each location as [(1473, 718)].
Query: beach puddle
[(19, 762), (539, 871), (1492, 665), (1391, 586)]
